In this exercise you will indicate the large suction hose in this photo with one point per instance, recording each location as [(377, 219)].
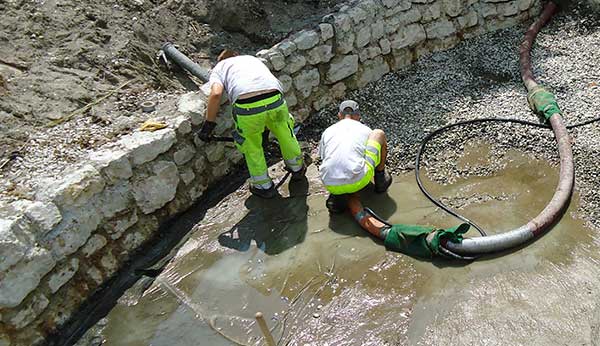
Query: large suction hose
[(560, 200), (182, 60)]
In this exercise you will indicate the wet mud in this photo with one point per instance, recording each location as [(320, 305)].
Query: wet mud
[(321, 280)]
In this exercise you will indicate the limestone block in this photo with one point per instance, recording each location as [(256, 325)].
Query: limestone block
[(524, 4), (13, 243), (23, 278), (286, 82), (306, 39), (372, 70), (234, 156), (196, 191), (187, 175), (430, 12), (73, 231), (357, 14), (214, 152), (344, 42), (402, 58), (200, 164), (422, 1), (95, 243), (487, 10), (155, 191), (294, 64), (113, 163), (113, 200), (372, 7), (363, 36), (396, 23), (109, 263), (262, 54), (181, 124), (63, 275), (390, 3), (286, 47), (221, 169), (386, 46), (402, 6), (322, 102), (291, 99), (369, 53), (377, 30), (495, 1), (4, 339), (133, 240), (326, 31), (342, 67), (74, 189), (95, 274), (116, 227), (440, 29), (341, 22), (183, 155), (277, 60), (452, 8), (338, 90), (225, 123), (408, 36), (145, 146), (194, 104), (320, 54), (306, 81), (27, 314), (508, 8), (468, 20)]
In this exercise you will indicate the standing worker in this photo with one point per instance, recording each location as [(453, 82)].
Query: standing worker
[(352, 154), (257, 99)]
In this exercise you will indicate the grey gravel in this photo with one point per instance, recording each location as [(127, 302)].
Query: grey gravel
[(480, 78)]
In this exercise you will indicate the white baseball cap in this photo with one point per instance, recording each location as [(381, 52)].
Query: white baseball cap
[(349, 104)]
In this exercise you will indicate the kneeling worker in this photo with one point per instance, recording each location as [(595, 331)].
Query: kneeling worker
[(352, 154), (257, 99)]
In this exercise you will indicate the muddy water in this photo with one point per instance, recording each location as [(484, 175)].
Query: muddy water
[(321, 280)]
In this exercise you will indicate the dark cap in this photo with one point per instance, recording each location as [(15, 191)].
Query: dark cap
[(349, 104)]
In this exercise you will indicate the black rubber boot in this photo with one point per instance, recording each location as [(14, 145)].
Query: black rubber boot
[(382, 181), (298, 175), (264, 193), (336, 204)]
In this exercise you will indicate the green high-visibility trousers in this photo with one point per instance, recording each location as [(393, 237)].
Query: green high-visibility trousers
[(251, 120)]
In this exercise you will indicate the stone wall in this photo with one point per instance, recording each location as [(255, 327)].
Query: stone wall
[(57, 249), (369, 38)]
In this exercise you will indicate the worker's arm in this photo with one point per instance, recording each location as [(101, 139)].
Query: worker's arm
[(212, 109)]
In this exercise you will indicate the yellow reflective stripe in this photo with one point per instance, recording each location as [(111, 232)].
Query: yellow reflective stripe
[(354, 187)]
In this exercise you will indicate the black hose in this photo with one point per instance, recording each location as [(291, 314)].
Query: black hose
[(467, 122)]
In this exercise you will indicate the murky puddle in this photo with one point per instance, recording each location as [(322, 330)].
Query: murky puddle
[(321, 280)]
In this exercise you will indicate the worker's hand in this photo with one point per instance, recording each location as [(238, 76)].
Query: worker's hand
[(206, 130)]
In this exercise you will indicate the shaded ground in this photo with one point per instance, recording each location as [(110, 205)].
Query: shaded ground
[(58, 58)]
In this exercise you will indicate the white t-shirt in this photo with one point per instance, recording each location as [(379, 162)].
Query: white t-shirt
[(243, 74), (342, 151)]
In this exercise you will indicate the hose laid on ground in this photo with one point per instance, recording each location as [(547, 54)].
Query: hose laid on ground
[(543, 103), (186, 63)]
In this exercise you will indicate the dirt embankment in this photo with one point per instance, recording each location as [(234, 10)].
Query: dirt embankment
[(57, 58)]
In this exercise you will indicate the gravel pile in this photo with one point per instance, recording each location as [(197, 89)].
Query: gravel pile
[(480, 78)]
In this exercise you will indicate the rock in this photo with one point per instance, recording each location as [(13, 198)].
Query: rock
[(402, 6), (65, 274), (487, 10), (29, 312), (431, 12), (306, 39), (326, 31), (109, 263), (95, 243), (409, 35), (183, 155), (363, 36), (386, 46), (277, 60), (116, 227), (96, 275), (342, 67), (113, 200), (286, 47), (187, 175), (524, 4), (214, 152), (194, 104), (200, 164), (4, 339), (74, 189), (320, 54), (73, 231), (322, 102), (495, 0), (155, 191), (341, 22), (286, 82), (114, 164), (508, 8), (390, 3), (372, 70), (440, 29), (396, 23), (452, 8), (468, 20), (220, 169), (291, 99), (377, 30), (402, 58), (15, 240), (357, 14), (133, 240), (306, 81), (344, 42), (182, 125), (145, 146), (338, 90), (295, 63), (23, 278)]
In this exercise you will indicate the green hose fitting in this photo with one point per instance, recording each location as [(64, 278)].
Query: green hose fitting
[(422, 241), (542, 102)]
